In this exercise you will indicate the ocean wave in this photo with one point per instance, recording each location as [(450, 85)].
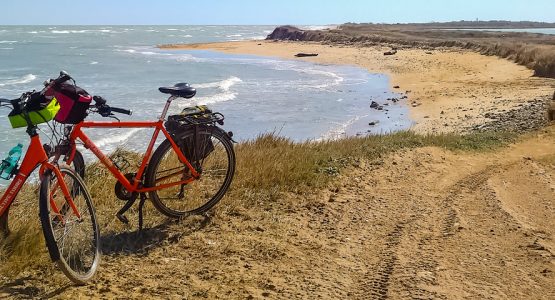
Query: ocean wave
[(117, 138), (8, 42), (24, 79), (234, 35), (225, 84), (126, 50), (80, 31), (6, 48), (340, 130), (186, 58), (172, 29), (93, 63), (225, 87), (187, 36), (318, 27)]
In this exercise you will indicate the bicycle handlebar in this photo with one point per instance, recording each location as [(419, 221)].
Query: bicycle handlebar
[(121, 110), (105, 110)]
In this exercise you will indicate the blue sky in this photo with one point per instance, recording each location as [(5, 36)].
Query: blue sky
[(204, 12)]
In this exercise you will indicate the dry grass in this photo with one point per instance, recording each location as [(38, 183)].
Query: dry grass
[(267, 168)]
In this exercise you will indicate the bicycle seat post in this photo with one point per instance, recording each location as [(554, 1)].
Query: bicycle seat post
[(165, 111)]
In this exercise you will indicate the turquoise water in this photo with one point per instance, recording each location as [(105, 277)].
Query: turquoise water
[(300, 100)]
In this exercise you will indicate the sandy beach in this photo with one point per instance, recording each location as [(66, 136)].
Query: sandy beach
[(448, 90)]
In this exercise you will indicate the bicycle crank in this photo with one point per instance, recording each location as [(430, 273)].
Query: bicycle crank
[(122, 193)]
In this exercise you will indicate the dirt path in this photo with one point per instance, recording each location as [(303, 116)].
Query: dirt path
[(421, 224)]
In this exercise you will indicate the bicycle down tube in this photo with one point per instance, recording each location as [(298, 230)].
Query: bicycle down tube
[(78, 134), (34, 157)]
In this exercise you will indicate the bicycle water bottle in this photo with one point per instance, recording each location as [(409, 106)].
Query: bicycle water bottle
[(10, 163)]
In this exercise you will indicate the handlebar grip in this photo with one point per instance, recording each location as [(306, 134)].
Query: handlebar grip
[(63, 78), (121, 110)]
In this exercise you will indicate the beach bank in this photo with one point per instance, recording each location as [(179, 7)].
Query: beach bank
[(449, 90)]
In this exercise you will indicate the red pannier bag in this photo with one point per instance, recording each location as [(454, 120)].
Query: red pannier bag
[(74, 103)]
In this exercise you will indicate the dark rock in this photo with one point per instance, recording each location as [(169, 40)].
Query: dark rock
[(390, 52), (396, 87), (305, 54), (374, 104), (373, 123), (380, 108), (286, 33)]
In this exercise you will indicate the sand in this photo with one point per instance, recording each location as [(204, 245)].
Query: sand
[(425, 223), (450, 90)]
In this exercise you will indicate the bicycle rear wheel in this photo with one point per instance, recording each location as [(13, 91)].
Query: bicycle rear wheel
[(216, 168), (69, 224)]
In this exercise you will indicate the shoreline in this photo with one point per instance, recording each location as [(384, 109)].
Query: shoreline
[(449, 90)]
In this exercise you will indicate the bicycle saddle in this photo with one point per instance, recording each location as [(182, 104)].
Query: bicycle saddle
[(180, 90)]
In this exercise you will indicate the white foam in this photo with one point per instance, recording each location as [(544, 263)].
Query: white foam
[(80, 31), (93, 62), (126, 50), (318, 27), (25, 79), (225, 87), (221, 97), (187, 36), (118, 138), (225, 84), (8, 42), (234, 35), (340, 131), (172, 29)]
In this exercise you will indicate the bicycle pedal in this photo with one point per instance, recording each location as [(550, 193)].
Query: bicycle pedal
[(122, 219)]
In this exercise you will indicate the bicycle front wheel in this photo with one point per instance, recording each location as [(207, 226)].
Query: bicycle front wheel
[(215, 163), (69, 224)]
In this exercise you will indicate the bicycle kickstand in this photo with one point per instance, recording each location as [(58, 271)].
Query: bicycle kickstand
[(126, 207), (141, 205)]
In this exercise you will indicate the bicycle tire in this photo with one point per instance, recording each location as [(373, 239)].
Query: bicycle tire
[(78, 163), (56, 228), (211, 195)]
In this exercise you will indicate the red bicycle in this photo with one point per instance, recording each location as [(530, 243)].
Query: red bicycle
[(188, 173), (66, 211)]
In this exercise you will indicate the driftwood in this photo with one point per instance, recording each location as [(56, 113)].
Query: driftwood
[(306, 54)]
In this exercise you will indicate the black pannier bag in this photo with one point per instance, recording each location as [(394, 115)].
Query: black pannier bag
[(196, 147), (74, 103)]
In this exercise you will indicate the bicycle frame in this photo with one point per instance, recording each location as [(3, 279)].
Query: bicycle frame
[(133, 187), (34, 157)]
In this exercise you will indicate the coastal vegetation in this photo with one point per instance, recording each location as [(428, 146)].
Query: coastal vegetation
[(533, 50)]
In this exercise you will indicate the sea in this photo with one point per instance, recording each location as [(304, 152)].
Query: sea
[(300, 100)]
